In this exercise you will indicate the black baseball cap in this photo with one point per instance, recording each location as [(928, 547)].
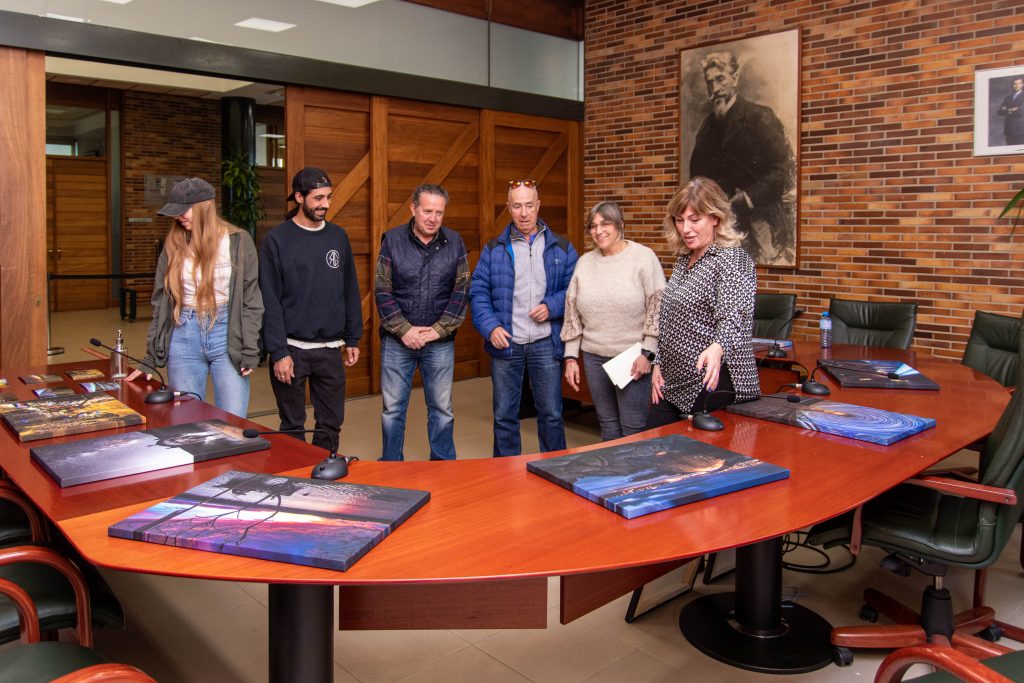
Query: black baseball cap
[(309, 179), (184, 194)]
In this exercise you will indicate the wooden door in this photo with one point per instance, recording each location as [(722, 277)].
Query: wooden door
[(78, 232)]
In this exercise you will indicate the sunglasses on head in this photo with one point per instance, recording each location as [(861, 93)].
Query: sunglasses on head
[(513, 184)]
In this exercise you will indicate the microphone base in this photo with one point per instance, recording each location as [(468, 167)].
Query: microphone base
[(776, 352), (815, 389), (330, 468), (160, 396)]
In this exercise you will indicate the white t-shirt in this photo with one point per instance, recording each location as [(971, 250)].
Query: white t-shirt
[(221, 276)]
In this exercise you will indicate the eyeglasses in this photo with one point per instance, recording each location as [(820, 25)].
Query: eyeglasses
[(513, 184), (603, 225)]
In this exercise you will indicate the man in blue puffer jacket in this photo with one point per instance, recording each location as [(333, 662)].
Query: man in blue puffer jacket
[(517, 298)]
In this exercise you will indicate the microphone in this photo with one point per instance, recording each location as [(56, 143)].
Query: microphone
[(332, 467), (809, 386), (775, 351), (704, 420), (161, 395)]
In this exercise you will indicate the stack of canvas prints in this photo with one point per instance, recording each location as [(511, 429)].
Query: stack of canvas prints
[(118, 455), (286, 519), (832, 417), (45, 418), (642, 477)]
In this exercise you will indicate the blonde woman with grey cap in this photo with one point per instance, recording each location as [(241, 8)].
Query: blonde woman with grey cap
[(611, 304), (207, 307)]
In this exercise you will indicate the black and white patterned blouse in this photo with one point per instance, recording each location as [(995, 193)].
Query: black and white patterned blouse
[(711, 302)]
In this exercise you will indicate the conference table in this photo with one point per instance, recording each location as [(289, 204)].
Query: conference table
[(479, 553)]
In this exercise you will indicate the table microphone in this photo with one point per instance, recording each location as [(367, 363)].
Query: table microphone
[(775, 351), (809, 386), (332, 467), (161, 395), (704, 420)]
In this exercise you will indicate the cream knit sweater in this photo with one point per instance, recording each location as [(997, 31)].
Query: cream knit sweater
[(612, 302)]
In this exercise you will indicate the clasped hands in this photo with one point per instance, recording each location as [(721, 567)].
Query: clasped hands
[(500, 337), (418, 337)]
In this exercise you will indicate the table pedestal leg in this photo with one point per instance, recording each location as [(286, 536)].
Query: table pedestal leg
[(752, 628), (301, 637)]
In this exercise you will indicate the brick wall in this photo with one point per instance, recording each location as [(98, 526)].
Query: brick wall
[(893, 205), (163, 135)]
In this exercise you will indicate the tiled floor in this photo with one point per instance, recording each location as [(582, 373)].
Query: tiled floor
[(202, 631)]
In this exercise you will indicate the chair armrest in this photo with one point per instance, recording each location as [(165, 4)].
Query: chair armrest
[(941, 657), (49, 557), (119, 673), (27, 615), (14, 495), (966, 489), (963, 473)]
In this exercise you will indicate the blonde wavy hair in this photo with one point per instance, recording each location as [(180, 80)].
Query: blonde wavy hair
[(200, 243), (708, 199)]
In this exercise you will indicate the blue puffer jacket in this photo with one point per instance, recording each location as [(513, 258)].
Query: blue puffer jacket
[(490, 294)]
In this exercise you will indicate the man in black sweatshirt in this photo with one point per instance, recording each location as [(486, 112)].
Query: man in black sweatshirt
[(313, 318)]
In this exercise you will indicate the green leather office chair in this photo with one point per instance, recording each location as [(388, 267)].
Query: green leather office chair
[(992, 347), (952, 666), (773, 315), (62, 662), (53, 596), (872, 323), (932, 523)]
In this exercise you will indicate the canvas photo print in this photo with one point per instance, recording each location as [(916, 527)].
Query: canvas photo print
[(119, 455), (45, 418), (642, 477), (311, 522), (873, 425)]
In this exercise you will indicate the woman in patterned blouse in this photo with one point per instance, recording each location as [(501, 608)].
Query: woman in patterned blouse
[(705, 359)]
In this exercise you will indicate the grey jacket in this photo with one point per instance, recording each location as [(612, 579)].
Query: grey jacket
[(245, 308)]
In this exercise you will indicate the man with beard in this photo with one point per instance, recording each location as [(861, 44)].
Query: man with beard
[(1013, 109), (313, 316), (742, 146)]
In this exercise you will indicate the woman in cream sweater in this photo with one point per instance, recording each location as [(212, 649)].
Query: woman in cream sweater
[(612, 303)]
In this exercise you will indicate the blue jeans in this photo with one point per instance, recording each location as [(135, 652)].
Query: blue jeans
[(538, 360), (398, 363), (620, 412), (196, 352)]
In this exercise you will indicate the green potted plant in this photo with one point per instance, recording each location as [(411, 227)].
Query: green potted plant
[(242, 192)]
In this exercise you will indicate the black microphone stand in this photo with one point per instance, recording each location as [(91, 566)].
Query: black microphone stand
[(161, 395), (332, 467), (775, 350)]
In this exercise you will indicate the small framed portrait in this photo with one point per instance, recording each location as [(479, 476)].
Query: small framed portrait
[(739, 124), (999, 111)]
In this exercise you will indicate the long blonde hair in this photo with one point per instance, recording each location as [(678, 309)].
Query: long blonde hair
[(201, 244), (708, 199)]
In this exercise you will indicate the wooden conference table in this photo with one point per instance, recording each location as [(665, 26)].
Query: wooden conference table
[(478, 554)]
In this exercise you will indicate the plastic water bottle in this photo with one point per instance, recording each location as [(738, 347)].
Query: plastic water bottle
[(825, 326), (118, 363)]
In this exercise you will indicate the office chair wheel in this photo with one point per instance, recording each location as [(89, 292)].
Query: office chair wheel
[(992, 634), (868, 613), (842, 656)]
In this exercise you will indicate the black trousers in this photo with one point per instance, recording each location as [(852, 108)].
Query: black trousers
[(325, 370), (664, 413)]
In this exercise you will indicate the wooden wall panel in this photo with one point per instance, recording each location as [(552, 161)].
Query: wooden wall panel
[(378, 149), (23, 208)]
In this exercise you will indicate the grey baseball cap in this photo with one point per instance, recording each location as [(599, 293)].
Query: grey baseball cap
[(184, 194)]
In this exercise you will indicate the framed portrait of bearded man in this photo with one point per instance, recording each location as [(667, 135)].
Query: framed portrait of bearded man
[(739, 124)]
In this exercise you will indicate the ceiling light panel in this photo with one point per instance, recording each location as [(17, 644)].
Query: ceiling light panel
[(265, 25)]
